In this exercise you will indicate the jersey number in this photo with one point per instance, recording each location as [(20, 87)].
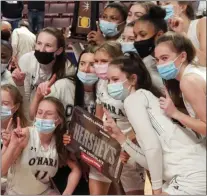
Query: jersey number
[(40, 177)]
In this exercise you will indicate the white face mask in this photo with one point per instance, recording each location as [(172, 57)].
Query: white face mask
[(3, 67)]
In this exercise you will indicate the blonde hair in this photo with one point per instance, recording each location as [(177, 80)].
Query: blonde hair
[(17, 99), (113, 48)]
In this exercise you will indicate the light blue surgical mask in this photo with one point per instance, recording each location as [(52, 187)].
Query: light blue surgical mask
[(169, 71), (128, 47), (169, 11), (87, 78), (45, 126), (109, 29), (118, 91), (6, 112)]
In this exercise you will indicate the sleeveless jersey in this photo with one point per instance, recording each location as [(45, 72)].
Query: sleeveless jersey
[(31, 172)]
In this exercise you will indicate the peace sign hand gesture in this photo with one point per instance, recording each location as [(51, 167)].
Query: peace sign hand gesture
[(112, 129), (44, 88), (167, 105), (6, 133)]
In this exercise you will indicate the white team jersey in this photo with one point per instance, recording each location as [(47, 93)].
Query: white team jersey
[(191, 69), (89, 102), (64, 90), (31, 172), (37, 73), (115, 107)]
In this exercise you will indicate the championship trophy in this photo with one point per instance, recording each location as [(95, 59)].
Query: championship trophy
[(86, 13)]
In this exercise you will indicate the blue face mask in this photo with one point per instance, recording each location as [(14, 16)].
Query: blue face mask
[(45, 126), (109, 29), (128, 47), (169, 11), (87, 78), (117, 91), (168, 71), (6, 112)]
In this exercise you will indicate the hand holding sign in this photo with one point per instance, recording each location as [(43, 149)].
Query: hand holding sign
[(66, 139), (112, 129), (6, 133), (44, 88), (18, 76), (167, 105)]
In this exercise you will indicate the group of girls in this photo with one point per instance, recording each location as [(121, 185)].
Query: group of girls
[(144, 76)]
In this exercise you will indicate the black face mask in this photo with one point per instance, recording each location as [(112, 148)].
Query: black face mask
[(145, 47), (44, 57)]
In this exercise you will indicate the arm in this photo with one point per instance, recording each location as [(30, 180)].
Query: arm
[(73, 178), (136, 152), (14, 42), (136, 110), (13, 151), (201, 52), (197, 100), (7, 159), (34, 105)]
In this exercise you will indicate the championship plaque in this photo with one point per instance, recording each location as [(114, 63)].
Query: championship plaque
[(93, 145), (86, 13)]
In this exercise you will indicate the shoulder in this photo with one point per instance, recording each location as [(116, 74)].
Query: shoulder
[(202, 23), (138, 98), (27, 61), (191, 82), (64, 83)]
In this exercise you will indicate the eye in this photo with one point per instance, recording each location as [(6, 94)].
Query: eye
[(39, 112), (164, 58), (91, 64), (131, 39)]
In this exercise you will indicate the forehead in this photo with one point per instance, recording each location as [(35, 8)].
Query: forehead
[(112, 11), (163, 48), (128, 30), (87, 56), (102, 54), (143, 26), (114, 70), (5, 95), (47, 38), (47, 106), (137, 8)]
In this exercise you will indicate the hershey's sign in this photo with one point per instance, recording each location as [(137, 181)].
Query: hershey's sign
[(93, 145)]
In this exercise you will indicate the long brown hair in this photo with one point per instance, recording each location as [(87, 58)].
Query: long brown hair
[(17, 99), (60, 62), (178, 43), (60, 130)]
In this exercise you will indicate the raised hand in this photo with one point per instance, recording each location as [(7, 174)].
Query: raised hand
[(18, 76), (112, 129), (17, 136), (176, 24), (96, 36), (167, 105), (6, 133), (44, 88)]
